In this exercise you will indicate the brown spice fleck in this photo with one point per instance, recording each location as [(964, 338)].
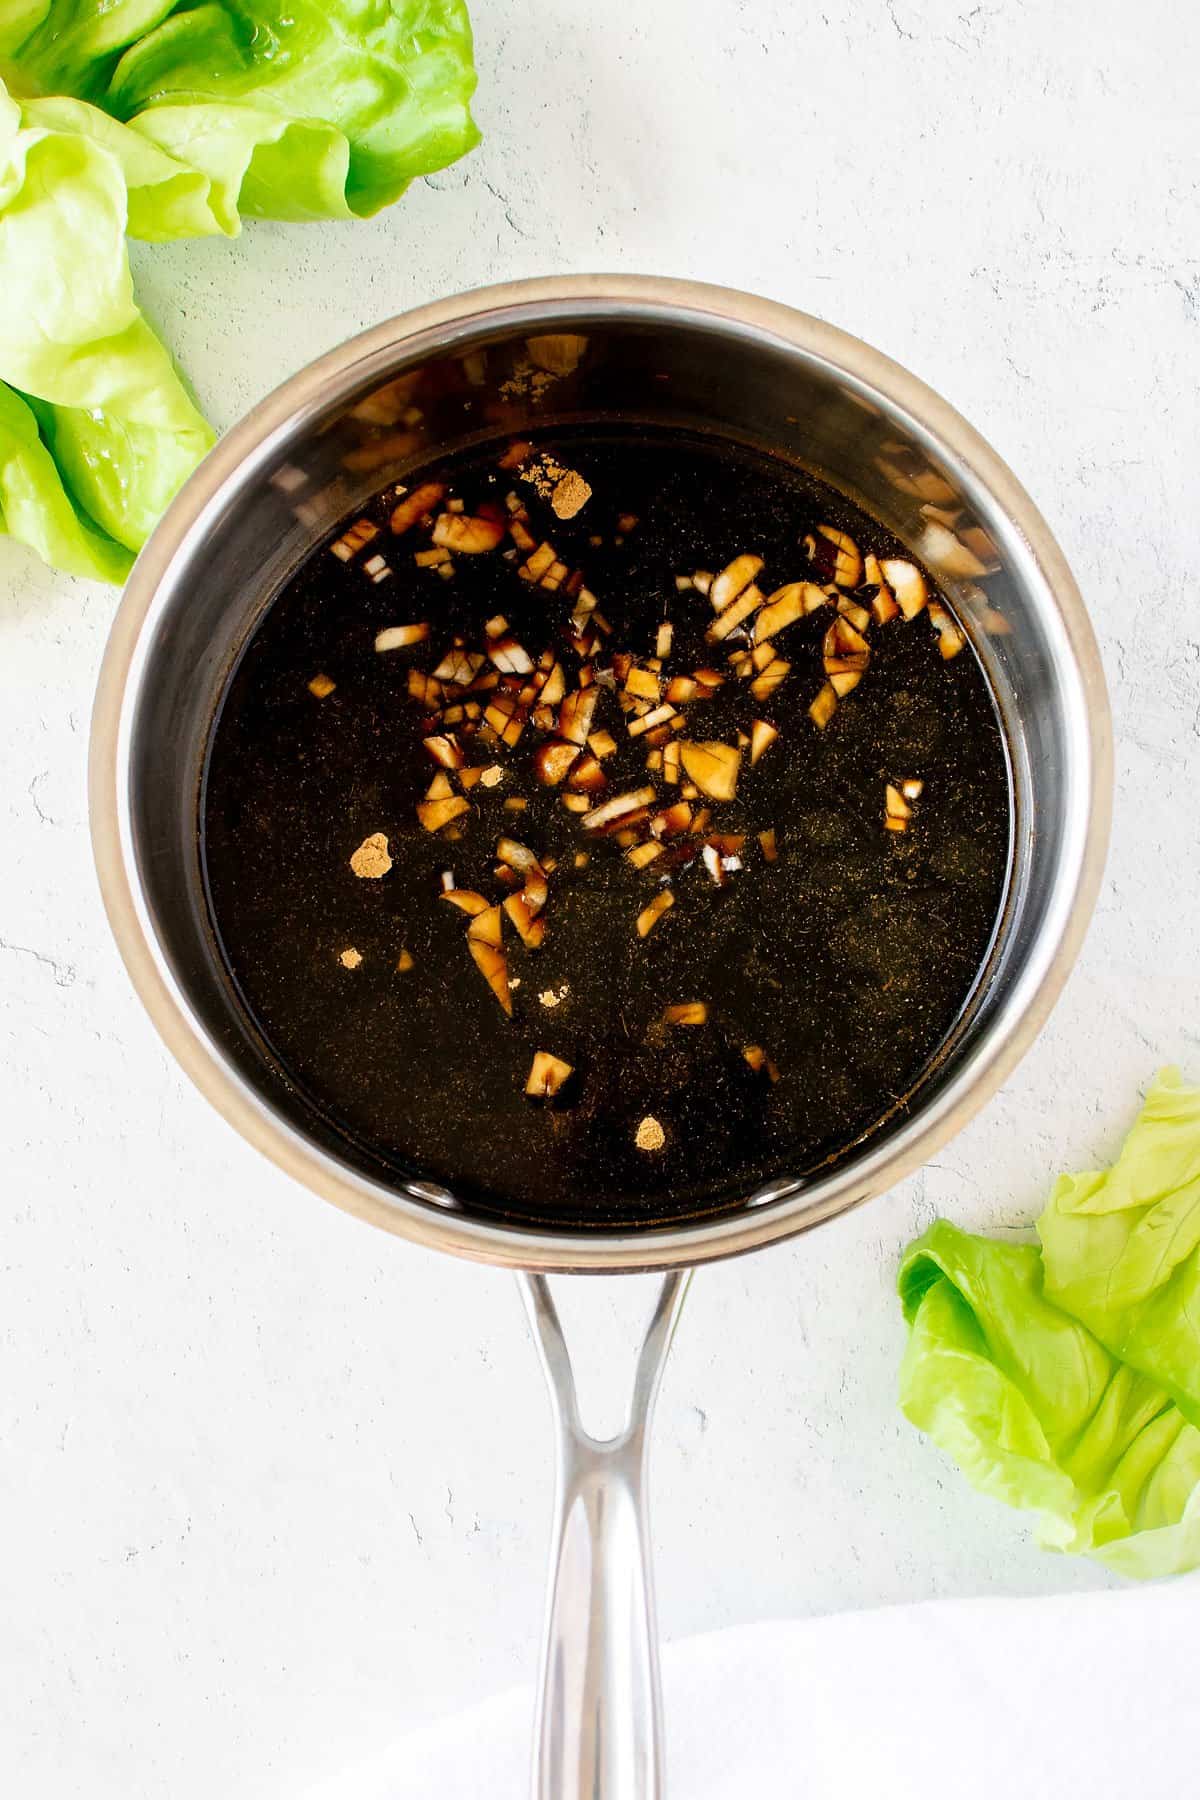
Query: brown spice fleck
[(371, 859), (525, 379), (543, 474)]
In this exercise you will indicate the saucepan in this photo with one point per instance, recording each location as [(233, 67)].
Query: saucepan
[(524, 358)]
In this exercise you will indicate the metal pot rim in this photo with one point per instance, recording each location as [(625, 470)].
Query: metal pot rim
[(549, 302)]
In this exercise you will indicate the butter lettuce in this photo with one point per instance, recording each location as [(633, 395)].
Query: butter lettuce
[(393, 79), (313, 109), (19, 20), (100, 424), (70, 46), (1065, 1378), (162, 120), (165, 198), (1037, 1413), (35, 507), (1122, 1248)]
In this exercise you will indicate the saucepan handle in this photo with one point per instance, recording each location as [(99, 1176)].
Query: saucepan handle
[(599, 1728)]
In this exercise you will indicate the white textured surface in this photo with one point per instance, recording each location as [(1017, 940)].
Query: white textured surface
[(272, 1485)]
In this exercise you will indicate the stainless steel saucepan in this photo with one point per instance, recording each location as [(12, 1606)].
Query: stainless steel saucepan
[(528, 357)]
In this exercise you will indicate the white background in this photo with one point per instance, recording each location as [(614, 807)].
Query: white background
[(274, 1486)]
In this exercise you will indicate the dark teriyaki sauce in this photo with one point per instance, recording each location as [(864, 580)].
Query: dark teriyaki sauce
[(848, 960)]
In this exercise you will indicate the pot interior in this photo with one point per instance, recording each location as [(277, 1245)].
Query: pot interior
[(553, 366)]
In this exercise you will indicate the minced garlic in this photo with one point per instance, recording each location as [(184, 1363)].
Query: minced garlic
[(371, 859), (650, 1134)]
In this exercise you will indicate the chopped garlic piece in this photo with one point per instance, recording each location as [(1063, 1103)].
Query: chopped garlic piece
[(650, 1134), (371, 859)]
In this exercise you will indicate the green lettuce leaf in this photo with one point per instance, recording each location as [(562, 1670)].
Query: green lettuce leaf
[(19, 20), (1122, 1248), (35, 507), (122, 472), (165, 198), (70, 341), (71, 46), (1037, 1413), (114, 416), (166, 119), (315, 109), (395, 77)]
